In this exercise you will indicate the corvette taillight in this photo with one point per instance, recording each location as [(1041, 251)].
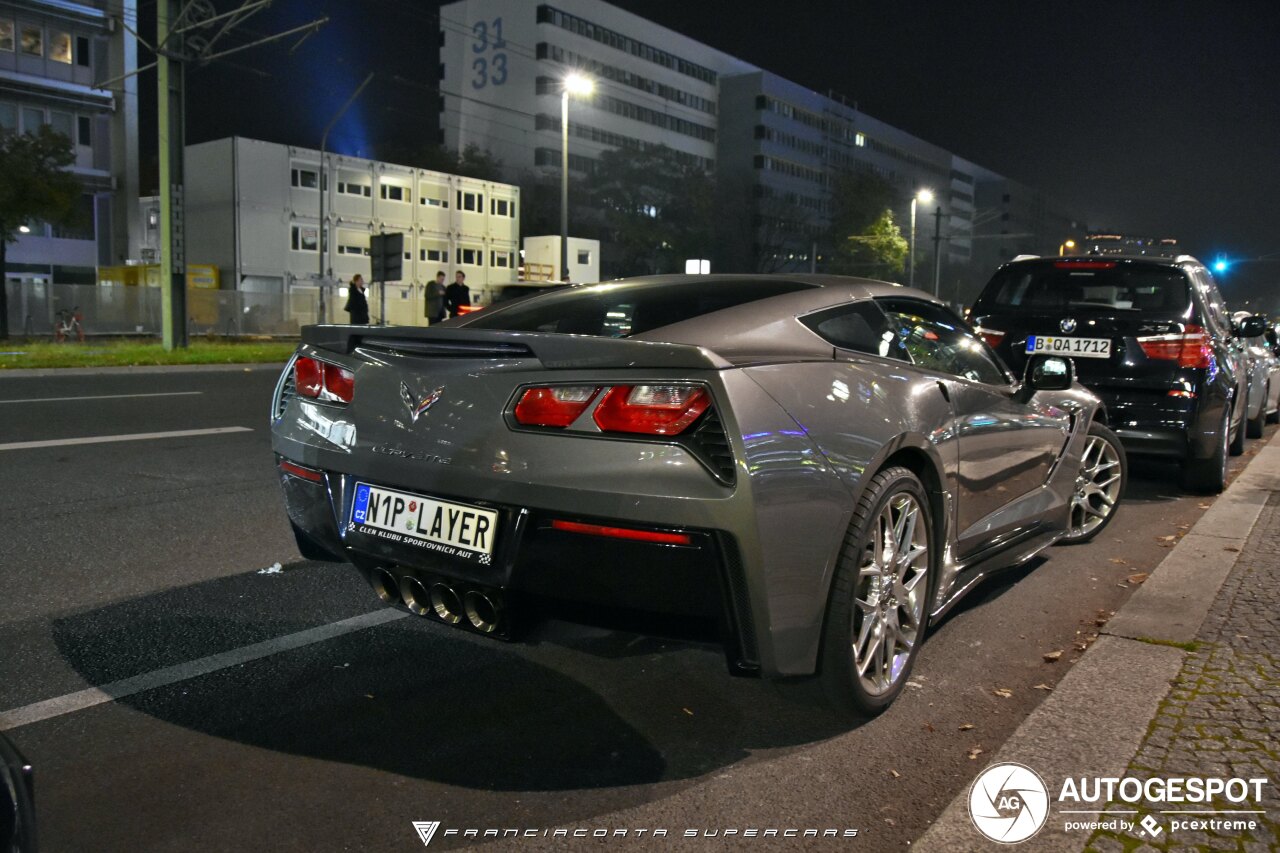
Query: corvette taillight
[(991, 336), (320, 380), (1189, 349), (651, 409), (556, 406)]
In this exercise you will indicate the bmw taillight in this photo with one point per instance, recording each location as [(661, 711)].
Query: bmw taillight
[(320, 380), (1190, 348), (651, 409), (554, 406), (991, 336)]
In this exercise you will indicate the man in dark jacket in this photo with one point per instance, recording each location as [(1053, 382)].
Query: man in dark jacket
[(436, 292), (457, 294), (357, 305)]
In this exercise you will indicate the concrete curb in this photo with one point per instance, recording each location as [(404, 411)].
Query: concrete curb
[(1097, 717), (30, 372)]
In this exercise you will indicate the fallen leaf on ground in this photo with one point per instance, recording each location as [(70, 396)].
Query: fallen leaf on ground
[(964, 727), (928, 727), (1120, 561), (1137, 577), (1042, 687), (687, 711), (974, 752), (894, 773), (1003, 692), (1052, 657), (1231, 548), (1166, 538)]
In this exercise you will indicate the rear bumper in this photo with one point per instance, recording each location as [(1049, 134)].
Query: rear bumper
[(696, 590)]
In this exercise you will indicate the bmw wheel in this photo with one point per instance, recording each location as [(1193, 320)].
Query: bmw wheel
[(1104, 470), (1237, 435), (878, 610), (1210, 475)]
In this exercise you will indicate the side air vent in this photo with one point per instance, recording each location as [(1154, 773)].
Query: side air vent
[(287, 392), (710, 444)]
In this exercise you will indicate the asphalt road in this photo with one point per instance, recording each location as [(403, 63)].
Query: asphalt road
[(126, 558)]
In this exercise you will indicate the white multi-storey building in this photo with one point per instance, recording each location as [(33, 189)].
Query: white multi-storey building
[(253, 211), (53, 56)]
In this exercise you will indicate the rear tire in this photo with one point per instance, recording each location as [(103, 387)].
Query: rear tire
[(879, 606), (1254, 426), (1209, 476), (1237, 437), (1104, 471)]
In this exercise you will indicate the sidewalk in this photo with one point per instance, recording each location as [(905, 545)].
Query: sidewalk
[(1184, 682)]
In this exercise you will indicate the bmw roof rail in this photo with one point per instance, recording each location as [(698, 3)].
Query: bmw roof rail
[(1025, 257)]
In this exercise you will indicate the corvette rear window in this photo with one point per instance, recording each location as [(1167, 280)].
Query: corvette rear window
[(1151, 290), (621, 310)]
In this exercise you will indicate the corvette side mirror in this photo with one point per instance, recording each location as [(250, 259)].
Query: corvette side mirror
[(1049, 373)]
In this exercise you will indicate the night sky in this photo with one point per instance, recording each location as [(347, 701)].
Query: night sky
[(1156, 118)]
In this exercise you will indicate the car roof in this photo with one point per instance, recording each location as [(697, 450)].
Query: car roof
[(849, 287), (1157, 260)]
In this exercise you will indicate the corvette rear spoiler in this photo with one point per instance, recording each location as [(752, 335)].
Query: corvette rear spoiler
[(554, 351)]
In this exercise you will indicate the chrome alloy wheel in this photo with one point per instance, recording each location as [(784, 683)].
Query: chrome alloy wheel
[(888, 619), (1097, 487)]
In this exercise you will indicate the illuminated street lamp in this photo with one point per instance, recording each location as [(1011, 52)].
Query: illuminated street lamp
[(581, 86), (923, 197), (24, 229), (1069, 244)]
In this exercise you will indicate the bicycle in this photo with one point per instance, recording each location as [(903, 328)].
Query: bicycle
[(65, 322)]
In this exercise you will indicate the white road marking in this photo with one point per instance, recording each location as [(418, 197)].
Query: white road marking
[(103, 397), (104, 693), (107, 439)]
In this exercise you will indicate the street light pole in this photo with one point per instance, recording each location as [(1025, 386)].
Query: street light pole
[(925, 196), (322, 245), (937, 254), (574, 84)]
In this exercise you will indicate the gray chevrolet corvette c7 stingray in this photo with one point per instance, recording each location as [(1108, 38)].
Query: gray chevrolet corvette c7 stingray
[(814, 467)]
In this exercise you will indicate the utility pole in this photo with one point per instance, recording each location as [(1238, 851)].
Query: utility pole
[(173, 290), (937, 249)]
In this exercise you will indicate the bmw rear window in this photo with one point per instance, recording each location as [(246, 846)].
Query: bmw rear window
[(1045, 288), (625, 309)]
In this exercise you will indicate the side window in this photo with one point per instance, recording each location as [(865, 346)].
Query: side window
[(936, 339), (858, 326), (1211, 298)]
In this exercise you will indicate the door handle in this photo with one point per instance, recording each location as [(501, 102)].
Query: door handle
[(946, 395)]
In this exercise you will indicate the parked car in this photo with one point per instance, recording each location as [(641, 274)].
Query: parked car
[(1150, 336), (17, 803), (818, 466), (1262, 367)]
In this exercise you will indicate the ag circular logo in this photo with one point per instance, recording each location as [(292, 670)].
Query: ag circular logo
[(1008, 803)]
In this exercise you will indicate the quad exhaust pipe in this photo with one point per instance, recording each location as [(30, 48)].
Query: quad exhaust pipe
[(481, 609)]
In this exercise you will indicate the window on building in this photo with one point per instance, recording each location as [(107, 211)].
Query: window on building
[(860, 140), (6, 34), (303, 238), (470, 257), (32, 41), (8, 118), (63, 123), (84, 130), (32, 118), (471, 201), (303, 178), (350, 188), (347, 249), (584, 257), (82, 51), (60, 47), (395, 192), (502, 207), (434, 202), (502, 260)]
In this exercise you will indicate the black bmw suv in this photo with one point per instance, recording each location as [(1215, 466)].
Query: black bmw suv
[(1150, 336)]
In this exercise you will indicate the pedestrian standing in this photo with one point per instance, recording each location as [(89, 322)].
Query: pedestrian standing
[(357, 303), (436, 292), (458, 295)]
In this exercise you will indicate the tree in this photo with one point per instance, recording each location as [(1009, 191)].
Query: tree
[(34, 185), (658, 209), (863, 238), (472, 162)]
